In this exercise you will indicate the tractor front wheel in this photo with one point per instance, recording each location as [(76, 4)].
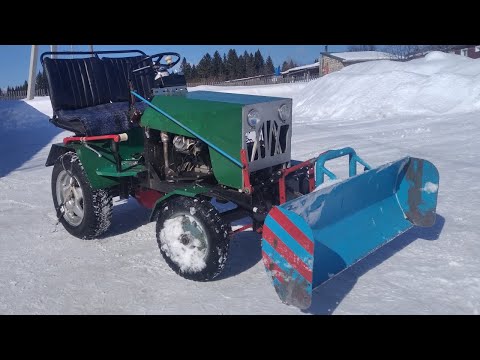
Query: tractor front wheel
[(193, 238)]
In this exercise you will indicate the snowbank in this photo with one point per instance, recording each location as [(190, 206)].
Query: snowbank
[(440, 83), (281, 90)]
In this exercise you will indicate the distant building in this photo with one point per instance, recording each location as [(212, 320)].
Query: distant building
[(303, 71), (331, 62), (471, 51)]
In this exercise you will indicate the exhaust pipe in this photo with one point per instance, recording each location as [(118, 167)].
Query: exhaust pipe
[(165, 139)]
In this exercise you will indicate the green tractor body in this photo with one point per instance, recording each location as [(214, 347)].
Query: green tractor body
[(220, 118)]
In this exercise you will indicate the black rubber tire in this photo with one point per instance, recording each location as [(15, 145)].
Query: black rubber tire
[(216, 229), (97, 204)]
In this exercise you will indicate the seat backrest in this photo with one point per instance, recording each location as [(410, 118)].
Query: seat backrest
[(76, 83), (118, 72)]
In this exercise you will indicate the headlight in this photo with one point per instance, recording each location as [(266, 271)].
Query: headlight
[(284, 112), (253, 118)]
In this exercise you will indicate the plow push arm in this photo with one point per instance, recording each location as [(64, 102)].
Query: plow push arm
[(321, 170)]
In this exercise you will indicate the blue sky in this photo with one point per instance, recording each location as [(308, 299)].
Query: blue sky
[(14, 59)]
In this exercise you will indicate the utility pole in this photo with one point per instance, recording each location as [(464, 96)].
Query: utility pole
[(91, 49), (32, 71), (53, 48)]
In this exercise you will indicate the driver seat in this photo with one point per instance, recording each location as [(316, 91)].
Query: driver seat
[(91, 96)]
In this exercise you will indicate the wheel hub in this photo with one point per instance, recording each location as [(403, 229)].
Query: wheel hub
[(184, 239), (70, 195), (185, 242)]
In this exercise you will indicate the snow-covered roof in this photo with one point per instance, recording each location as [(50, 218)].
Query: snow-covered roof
[(352, 56), (303, 67)]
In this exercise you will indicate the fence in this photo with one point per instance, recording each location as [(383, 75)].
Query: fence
[(21, 94), (257, 81)]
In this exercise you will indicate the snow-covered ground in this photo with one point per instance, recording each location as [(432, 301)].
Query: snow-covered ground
[(427, 108)]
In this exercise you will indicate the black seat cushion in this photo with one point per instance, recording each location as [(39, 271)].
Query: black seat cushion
[(76, 83), (118, 73), (111, 118), (104, 119)]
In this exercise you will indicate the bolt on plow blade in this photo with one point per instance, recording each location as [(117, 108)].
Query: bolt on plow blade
[(310, 239)]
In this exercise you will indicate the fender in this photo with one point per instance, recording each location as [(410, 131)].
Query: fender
[(192, 191), (56, 151), (90, 161)]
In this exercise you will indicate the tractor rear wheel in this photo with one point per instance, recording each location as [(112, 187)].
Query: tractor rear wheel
[(193, 238), (83, 211)]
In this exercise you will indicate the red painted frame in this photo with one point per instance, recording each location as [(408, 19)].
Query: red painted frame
[(115, 138), (284, 172), (281, 181), (246, 174)]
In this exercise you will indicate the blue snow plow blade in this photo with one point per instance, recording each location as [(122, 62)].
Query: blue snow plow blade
[(310, 239)]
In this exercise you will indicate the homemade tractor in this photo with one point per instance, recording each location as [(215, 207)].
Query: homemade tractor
[(138, 132)]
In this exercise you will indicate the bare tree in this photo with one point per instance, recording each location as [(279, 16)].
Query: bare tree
[(444, 48), (406, 52), (403, 52), (362, 48)]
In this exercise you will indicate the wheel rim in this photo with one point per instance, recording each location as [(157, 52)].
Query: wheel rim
[(185, 242), (70, 195)]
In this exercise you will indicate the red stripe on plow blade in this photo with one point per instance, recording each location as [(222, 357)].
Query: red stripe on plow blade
[(287, 254), (292, 229), (272, 267)]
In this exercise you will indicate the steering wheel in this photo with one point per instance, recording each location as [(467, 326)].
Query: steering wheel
[(157, 64), (168, 55)]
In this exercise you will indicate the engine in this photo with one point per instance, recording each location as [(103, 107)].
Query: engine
[(171, 156), (191, 155)]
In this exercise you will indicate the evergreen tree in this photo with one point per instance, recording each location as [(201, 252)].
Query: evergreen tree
[(39, 80), (251, 64), (204, 67), (259, 62), (269, 68), (247, 66), (241, 67), (186, 68), (288, 65), (231, 65), (45, 82), (194, 73), (224, 65), (217, 66), (183, 65)]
